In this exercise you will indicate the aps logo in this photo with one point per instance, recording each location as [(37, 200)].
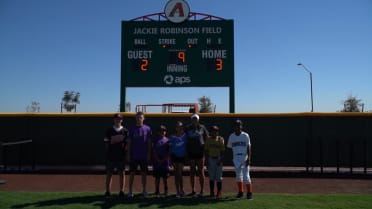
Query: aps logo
[(178, 80)]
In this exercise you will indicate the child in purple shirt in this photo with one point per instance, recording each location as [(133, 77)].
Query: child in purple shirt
[(161, 162)]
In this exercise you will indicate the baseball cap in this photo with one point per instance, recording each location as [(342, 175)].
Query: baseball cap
[(195, 116), (238, 122), (214, 128), (140, 113), (162, 128), (118, 116)]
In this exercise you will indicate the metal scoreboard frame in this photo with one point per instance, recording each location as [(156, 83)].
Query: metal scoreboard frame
[(198, 52)]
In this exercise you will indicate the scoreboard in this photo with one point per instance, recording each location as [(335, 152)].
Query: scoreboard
[(194, 53)]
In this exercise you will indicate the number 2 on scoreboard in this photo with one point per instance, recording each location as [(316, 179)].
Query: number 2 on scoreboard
[(144, 64)]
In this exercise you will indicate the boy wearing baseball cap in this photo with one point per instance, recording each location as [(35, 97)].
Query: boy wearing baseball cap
[(115, 144)]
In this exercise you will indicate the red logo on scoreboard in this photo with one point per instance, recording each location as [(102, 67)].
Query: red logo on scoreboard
[(177, 11)]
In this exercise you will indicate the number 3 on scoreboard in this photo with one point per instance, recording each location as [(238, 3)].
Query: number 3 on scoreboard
[(144, 64), (219, 64)]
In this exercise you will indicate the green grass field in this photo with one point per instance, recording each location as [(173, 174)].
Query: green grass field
[(14, 200)]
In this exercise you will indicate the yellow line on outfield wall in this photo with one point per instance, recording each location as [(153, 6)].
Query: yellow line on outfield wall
[(207, 115)]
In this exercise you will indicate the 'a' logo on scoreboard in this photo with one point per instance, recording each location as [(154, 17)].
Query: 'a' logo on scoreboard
[(177, 11)]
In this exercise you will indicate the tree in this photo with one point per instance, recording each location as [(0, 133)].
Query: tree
[(34, 107), (352, 104), (69, 100), (205, 104), (128, 107)]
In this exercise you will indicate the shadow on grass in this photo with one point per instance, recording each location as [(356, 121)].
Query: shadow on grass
[(138, 201)]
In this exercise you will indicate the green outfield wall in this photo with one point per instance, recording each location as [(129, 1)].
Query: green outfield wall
[(293, 139)]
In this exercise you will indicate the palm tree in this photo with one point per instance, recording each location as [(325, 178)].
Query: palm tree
[(69, 100), (35, 107)]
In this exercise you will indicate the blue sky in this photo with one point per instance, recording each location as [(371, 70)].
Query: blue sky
[(50, 46)]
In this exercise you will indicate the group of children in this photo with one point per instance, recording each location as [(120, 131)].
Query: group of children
[(192, 143)]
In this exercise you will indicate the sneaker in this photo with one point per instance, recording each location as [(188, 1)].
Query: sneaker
[(107, 194), (182, 193), (192, 194), (165, 194), (201, 194), (144, 194), (219, 196), (121, 194), (239, 195), (130, 195), (250, 196), (211, 194), (178, 195), (157, 194)]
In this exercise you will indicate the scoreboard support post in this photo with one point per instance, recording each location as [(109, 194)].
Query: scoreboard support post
[(232, 98)]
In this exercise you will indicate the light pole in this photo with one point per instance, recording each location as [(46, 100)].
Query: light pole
[(311, 85)]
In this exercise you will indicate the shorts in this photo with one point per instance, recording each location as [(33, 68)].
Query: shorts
[(196, 166), (176, 159), (160, 173), (196, 156), (214, 170), (111, 165), (133, 165)]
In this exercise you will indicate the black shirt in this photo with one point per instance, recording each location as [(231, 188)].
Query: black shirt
[(116, 141), (196, 136)]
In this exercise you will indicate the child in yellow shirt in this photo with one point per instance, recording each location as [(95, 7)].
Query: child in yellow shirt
[(214, 150)]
